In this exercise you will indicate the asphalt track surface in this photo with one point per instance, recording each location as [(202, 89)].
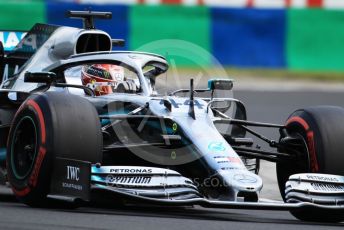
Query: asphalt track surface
[(262, 106)]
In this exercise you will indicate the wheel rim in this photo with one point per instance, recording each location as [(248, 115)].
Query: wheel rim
[(24, 147)]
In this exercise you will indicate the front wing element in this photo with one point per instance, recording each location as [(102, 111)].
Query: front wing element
[(217, 204), (156, 186), (315, 188), (145, 182), (168, 188)]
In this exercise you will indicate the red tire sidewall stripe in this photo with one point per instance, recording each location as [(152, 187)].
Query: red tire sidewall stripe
[(35, 172), (300, 121), (22, 192), (41, 119), (310, 141), (41, 153), (311, 149)]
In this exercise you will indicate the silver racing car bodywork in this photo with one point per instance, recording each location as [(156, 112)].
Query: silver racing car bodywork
[(155, 148), (65, 47)]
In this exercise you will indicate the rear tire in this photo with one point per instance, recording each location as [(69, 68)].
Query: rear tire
[(46, 126), (321, 128)]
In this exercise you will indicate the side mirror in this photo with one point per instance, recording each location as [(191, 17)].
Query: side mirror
[(40, 77), (118, 42), (220, 84), (222, 106)]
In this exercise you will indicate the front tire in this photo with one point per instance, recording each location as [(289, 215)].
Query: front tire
[(46, 126), (321, 128)]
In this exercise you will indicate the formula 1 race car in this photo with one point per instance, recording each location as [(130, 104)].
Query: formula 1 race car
[(80, 123)]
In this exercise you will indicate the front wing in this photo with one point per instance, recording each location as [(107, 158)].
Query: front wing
[(157, 186)]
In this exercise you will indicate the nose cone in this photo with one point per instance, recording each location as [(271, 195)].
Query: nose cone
[(241, 182)]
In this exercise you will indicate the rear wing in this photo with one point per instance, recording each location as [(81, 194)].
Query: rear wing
[(20, 46), (10, 39)]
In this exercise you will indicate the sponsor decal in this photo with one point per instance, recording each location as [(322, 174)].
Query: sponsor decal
[(11, 39), (186, 103), (173, 155), (222, 162), (128, 179), (72, 186), (131, 170), (225, 159), (216, 146), (322, 178), (221, 159), (71, 178), (229, 168), (73, 173), (234, 160), (246, 179), (328, 187)]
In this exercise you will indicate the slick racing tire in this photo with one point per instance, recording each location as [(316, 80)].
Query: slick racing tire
[(46, 126), (322, 130)]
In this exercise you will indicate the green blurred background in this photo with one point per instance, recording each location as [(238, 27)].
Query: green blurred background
[(275, 41)]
